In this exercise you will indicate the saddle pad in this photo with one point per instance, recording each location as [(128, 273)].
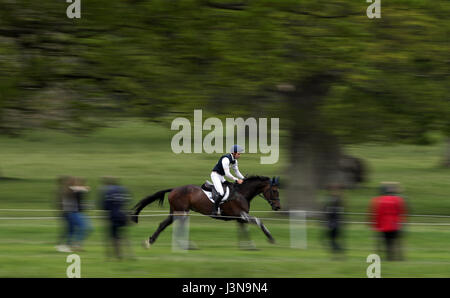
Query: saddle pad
[(225, 197)]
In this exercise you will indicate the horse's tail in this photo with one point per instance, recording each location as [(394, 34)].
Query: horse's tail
[(148, 200)]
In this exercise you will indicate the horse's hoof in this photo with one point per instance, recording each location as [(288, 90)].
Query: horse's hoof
[(192, 246), (272, 241), (247, 245), (146, 244)]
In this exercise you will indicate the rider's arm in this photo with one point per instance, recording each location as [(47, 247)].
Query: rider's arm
[(226, 168), (236, 170)]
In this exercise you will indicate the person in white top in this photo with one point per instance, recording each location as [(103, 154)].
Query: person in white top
[(222, 170)]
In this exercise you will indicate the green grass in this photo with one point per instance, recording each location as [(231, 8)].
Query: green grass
[(27, 250), (140, 154)]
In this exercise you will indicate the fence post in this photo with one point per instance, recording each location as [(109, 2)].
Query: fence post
[(180, 232), (298, 229)]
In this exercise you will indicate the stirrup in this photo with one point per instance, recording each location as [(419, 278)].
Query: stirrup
[(216, 210)]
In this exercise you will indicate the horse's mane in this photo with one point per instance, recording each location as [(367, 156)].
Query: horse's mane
[(248, 182), (256, 177)]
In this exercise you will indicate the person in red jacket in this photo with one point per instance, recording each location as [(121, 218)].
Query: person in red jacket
[(388, 212)]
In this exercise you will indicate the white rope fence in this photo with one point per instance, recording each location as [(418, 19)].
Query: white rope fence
[(253, 211), (160, 213)]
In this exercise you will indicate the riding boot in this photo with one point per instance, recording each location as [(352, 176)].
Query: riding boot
[(217, 198)]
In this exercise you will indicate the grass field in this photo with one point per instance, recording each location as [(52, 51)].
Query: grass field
[(140, 154)]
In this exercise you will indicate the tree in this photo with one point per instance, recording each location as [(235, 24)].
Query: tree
[(350, 79)]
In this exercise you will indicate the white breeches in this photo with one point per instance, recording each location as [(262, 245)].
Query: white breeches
[(217, 180)]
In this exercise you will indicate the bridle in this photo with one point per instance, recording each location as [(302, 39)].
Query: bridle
[(273, 182)]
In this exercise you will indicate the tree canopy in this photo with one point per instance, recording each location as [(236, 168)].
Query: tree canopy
[(388, 77), (332, 75)]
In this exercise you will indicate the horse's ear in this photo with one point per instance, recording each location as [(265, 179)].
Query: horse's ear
[(272, 181), (277, 180)]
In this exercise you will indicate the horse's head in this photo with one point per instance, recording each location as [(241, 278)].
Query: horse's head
[(270, 193), (257, 185)]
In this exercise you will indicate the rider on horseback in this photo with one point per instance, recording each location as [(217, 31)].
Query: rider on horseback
[(222, 169)]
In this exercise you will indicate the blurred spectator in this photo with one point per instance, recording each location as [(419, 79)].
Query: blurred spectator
[(354, 171), (388, 211), (79, 225), (62, 204), (114, 199), (333, 212)]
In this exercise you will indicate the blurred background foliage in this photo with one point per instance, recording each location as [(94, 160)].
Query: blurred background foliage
[(332, 75)]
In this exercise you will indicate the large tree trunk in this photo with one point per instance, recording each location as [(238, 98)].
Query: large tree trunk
[(313, 152), (301, 189), (314, 164)]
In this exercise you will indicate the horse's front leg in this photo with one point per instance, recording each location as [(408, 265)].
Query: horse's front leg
[(251, 219)]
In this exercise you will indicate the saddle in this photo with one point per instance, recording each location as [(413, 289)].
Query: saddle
[(208, 186)]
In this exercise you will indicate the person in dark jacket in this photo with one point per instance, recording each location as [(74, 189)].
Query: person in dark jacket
[(115, 199), (333, 211)]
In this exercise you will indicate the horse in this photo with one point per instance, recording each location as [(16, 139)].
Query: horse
[(182, 199)]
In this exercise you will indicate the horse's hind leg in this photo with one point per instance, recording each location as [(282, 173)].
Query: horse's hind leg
[(257, 221), (164, 224)]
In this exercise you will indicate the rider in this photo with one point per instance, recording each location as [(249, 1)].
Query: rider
[(222, 169)]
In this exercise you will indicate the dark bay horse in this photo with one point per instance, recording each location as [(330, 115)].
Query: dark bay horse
[(191, 197)]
